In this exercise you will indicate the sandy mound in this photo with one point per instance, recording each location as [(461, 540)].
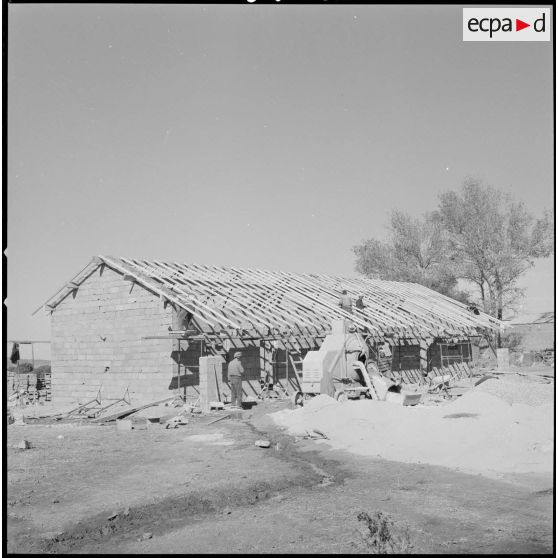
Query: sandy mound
[(515, 389), (480, 432)]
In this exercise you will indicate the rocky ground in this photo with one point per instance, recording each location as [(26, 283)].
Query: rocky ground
[(208, 488)]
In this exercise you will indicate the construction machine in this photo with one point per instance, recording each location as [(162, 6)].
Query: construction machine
[(342, 369)]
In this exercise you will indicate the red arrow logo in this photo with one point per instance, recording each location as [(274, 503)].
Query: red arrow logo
[(519, 25)]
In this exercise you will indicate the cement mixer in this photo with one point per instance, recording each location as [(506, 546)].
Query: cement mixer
[(341, 368)]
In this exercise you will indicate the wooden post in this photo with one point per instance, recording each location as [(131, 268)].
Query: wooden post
[(286, 365), (491, 346), (178, 362), (423, 354)]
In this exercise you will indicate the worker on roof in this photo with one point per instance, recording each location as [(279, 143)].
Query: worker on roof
[(346, 302), (180, 320), (359, 303), (235, 371)]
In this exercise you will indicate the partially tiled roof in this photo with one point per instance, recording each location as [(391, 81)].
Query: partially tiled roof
[(224, 300)]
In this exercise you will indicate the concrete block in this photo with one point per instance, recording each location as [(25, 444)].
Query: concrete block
[(123, 425), (503, 356)]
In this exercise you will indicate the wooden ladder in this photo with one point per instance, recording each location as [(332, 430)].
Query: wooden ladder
[(297, 366)]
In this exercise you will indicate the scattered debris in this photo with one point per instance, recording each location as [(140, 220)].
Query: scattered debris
[(175, 403), (145, 537), (139, 423), (216, 405), (24, 445), (53, 535), (326, 481), (218, 419), (17, 417), (484, 378), (262, 443), (320, 433), (129, 411), (176, 421), (315, 435), (439, 383)]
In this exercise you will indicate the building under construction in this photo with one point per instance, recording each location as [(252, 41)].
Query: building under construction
[(126, 324)]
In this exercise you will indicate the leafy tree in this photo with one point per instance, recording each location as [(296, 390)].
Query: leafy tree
[(478, 234), (494, 240), (416, 250)]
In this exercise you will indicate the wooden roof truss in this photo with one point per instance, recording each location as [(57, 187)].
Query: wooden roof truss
[(236, 302)]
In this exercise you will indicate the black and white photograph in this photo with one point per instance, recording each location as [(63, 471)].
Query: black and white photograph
[(279, 278)]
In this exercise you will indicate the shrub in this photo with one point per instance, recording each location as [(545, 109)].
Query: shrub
[(380, 536), (24, 368), (512, 340)]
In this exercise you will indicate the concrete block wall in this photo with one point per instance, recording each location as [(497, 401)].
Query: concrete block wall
[(100, 326)]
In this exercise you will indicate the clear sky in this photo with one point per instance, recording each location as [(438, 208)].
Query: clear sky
[(268, 136)]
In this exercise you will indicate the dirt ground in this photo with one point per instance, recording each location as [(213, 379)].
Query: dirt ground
[(206, 488)]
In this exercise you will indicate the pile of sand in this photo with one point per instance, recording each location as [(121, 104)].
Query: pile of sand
[(479, 432), (517, 389)]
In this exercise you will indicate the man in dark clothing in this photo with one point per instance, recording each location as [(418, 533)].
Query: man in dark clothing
[(235, 372), (14, 357), (359, 303)]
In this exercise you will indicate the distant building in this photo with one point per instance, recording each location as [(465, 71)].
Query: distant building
[(537, 331)]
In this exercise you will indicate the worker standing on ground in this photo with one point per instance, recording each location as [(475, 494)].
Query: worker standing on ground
[(345, 302), (235, 372)]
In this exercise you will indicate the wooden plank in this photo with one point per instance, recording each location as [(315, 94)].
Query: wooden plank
[(126, 412), (261, 303)]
